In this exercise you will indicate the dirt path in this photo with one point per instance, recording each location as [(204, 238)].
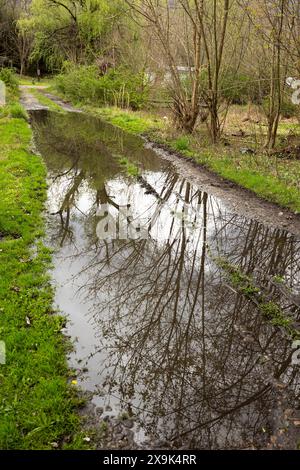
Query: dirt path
[(239, 200), (28, 100), (63, 104)]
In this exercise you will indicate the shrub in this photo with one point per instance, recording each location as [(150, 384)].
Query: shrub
[(9, 78), (288, 109), (117, 87), (235, 87), (240, 88), (79, 84), (182, 143)]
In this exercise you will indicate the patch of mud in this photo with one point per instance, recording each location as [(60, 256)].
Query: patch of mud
[(109, 431)]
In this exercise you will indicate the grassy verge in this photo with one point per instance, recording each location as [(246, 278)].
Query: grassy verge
[(137, 122), (37, 402), (25, 80), (271, 178), (44, 100)]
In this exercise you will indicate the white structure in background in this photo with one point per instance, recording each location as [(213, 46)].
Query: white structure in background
[(2, 94), (183, 72), (295, 85)]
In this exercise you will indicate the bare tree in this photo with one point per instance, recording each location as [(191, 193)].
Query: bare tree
[(204, 41)]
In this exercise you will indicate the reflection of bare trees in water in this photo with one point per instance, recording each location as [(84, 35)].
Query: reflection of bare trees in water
[(190, 356), (80, 150)]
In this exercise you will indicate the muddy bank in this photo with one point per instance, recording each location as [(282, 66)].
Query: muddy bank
[(241, 200)]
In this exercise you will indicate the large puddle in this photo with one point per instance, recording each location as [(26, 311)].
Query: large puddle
[(160, 333)]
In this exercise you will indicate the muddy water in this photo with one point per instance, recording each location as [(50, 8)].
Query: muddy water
[(160, 334)]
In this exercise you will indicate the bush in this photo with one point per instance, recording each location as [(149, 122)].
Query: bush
[(239, 88), (235, 87), (9, 78), (17, 111), (117, 87), (288, 109), (182, 143)]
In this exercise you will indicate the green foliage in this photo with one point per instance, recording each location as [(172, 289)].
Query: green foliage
[(273, 312), (78, 84), (131, 168), (235, 87), (134, 122), (239, 279), (239, 88), (72, 30), (118, 87), (182, 143), (17, 111), (8, 76), (123, 161), (289, 109)]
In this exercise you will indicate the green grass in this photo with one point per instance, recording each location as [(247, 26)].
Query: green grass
[(37, 405), (17, 111), (134, 122), (282, 189), (182, 143), (286, 128), (132, 170), (25, 80), (44, 100)]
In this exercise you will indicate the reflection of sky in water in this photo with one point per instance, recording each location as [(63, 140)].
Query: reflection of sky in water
[(150, 217)]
